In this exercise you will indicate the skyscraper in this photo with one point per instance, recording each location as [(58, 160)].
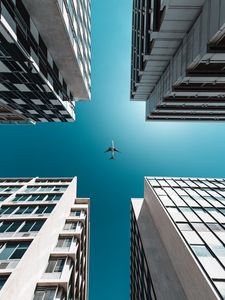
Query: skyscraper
[(44, 239), (44, 59), (178, 239), (177, 63)]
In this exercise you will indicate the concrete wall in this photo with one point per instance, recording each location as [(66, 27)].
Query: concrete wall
[(165, 281)]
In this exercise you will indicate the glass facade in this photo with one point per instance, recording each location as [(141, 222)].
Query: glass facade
[(36, 86), (197, 208)]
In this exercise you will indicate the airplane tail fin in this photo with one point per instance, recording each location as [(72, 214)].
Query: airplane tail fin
[(112, 157)]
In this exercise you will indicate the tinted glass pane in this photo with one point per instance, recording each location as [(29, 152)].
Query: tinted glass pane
[(18, 253), (51, 265), (40, 209), (201, 251), (29, 209), (27, 226), (49, 209), (2, 197), (10, 210), (7, 251), (15, 226), (3, 280), (4, 226), (59, 265), (20, 210), (37, 226)]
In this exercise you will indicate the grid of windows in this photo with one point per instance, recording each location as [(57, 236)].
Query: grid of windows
[(21, 226), (197, 207), (53, 180), (26, 91), (25, 209), (37, 197), (141, 286), (9, 189), (46, 188)]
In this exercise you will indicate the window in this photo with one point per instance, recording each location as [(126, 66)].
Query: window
[(216, 214), (176, 215), (7, 189), (60, 188), (216, 227), (46, 188), (32, 226), (44, 294), (201, 251), (200, 227), (184, 226), (190, 201), (13, 250), (21, 198), (10, 226), (3, 279), (192, 237), (24, 210), (166, 201), (204, 215), (36, 197), (160, 192), (221, 287), (32, 188), (189, 214), (3, 197), (70, 225), (53, 197), (7, 210), (76, 213), (44, 209), (55, 265), (64, 242), (12, 189)]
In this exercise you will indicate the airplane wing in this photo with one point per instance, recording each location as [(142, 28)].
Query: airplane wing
[(108, 150), (116, 150)]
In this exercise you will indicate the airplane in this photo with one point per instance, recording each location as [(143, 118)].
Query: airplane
[(112, 149)]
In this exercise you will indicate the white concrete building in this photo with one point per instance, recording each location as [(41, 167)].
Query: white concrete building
[(178, 240), (44, 59), (178, 59), (44, 239)]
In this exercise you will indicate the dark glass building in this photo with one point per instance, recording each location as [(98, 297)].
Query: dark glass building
[(44, 59)]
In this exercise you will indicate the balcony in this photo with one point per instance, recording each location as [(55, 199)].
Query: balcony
[(62, 277)]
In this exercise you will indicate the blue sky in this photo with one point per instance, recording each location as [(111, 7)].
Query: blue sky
[(161, 149)]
